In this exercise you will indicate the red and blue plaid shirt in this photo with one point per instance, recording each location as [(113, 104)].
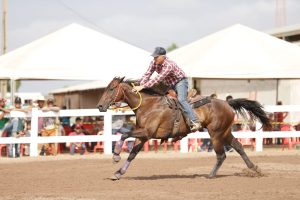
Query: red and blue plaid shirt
[(168, 72)]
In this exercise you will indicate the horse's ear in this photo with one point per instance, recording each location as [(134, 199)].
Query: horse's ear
[(121, 79)]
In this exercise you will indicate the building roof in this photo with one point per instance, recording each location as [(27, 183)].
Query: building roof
[(285, 31)]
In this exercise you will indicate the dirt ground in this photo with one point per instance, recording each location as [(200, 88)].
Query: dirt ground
[(151, 176)]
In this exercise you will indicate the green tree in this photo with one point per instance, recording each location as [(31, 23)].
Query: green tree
[(172, 47)]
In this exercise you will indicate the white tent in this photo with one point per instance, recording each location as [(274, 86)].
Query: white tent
[(239, 52), (75, 52), (82, 87)]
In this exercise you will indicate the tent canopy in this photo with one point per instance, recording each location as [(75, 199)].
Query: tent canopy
[(75, 53), (81, 87), (239, 52)]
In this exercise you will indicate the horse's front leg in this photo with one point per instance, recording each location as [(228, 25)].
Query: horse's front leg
[(118, 147), (136, 149), (138, 133)]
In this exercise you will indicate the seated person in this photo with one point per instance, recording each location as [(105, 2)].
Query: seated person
[(118, 126), (77, 145)]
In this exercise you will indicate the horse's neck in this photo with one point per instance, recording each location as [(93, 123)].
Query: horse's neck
[(131, 98)]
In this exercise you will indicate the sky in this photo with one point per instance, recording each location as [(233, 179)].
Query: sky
[(143, 23)]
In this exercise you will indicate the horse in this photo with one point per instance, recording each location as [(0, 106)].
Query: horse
[(155, 120)]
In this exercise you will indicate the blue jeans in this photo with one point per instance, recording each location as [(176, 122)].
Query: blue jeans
[(11, 128), (182, 90), (11, 148)]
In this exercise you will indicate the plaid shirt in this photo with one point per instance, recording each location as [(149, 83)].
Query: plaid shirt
[(168, 72)]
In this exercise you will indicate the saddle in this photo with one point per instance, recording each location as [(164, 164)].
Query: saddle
[(195, 101)]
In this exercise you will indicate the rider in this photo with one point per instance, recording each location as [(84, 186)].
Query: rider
[(171, 75)]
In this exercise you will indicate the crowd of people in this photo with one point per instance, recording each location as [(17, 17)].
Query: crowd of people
[(53, 126)]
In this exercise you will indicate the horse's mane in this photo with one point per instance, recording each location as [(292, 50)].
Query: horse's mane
[(156, 90)]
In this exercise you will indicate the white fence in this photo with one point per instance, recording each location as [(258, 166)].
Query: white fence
[(107, 137)]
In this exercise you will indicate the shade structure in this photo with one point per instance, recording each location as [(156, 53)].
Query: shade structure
[(75, 52), (239, 52)]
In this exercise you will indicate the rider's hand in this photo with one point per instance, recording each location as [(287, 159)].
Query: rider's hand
[(137, 88)]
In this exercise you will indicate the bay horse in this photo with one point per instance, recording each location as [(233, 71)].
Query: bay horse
[(155, 119)]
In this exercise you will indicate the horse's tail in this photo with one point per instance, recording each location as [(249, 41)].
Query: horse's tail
[(255, 110)]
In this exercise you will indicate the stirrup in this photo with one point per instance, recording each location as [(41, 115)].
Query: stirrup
[(195, 126)]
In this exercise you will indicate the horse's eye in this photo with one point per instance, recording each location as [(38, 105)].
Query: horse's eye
[(111, 89)]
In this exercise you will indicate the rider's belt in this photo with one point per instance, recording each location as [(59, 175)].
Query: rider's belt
[(180, 80)]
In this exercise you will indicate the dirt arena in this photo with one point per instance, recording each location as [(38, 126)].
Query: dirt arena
[(151, 176)]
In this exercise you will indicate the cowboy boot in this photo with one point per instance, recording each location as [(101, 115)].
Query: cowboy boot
[(195, 125)]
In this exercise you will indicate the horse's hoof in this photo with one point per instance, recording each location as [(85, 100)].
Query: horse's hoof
[(256, 169), (211, 176), (116, 176), (116, 158)]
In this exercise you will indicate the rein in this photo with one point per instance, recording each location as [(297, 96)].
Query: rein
[(140, 97)]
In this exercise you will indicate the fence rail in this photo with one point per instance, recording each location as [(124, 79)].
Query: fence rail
[(108, 138)]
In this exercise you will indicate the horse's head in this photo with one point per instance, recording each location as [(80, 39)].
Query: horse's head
[(112, 94)]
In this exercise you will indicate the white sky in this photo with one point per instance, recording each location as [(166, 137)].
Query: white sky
[(143, 23)]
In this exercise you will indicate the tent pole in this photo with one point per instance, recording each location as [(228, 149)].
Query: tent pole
[(277, 88), (4, 83), (12, 91)]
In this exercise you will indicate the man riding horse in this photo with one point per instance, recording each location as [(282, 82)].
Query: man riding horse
[(172, 76)]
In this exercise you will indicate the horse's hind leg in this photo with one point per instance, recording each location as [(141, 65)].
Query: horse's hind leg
[(221, 156), (136, 149), (239, 148)]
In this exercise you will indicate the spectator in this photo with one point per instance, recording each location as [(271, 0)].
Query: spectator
[(40, 102), (269, 128), (27, 133), (97, 129), (213, 96), (98, 126), (65, 120), (78, 121), (118, 127), (15, 128), (278, 120), (77, 145), (228, 98), (40, 105), (3, 110), (50, 125)]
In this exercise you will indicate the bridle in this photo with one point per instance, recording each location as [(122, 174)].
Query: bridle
[(122, 90)]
